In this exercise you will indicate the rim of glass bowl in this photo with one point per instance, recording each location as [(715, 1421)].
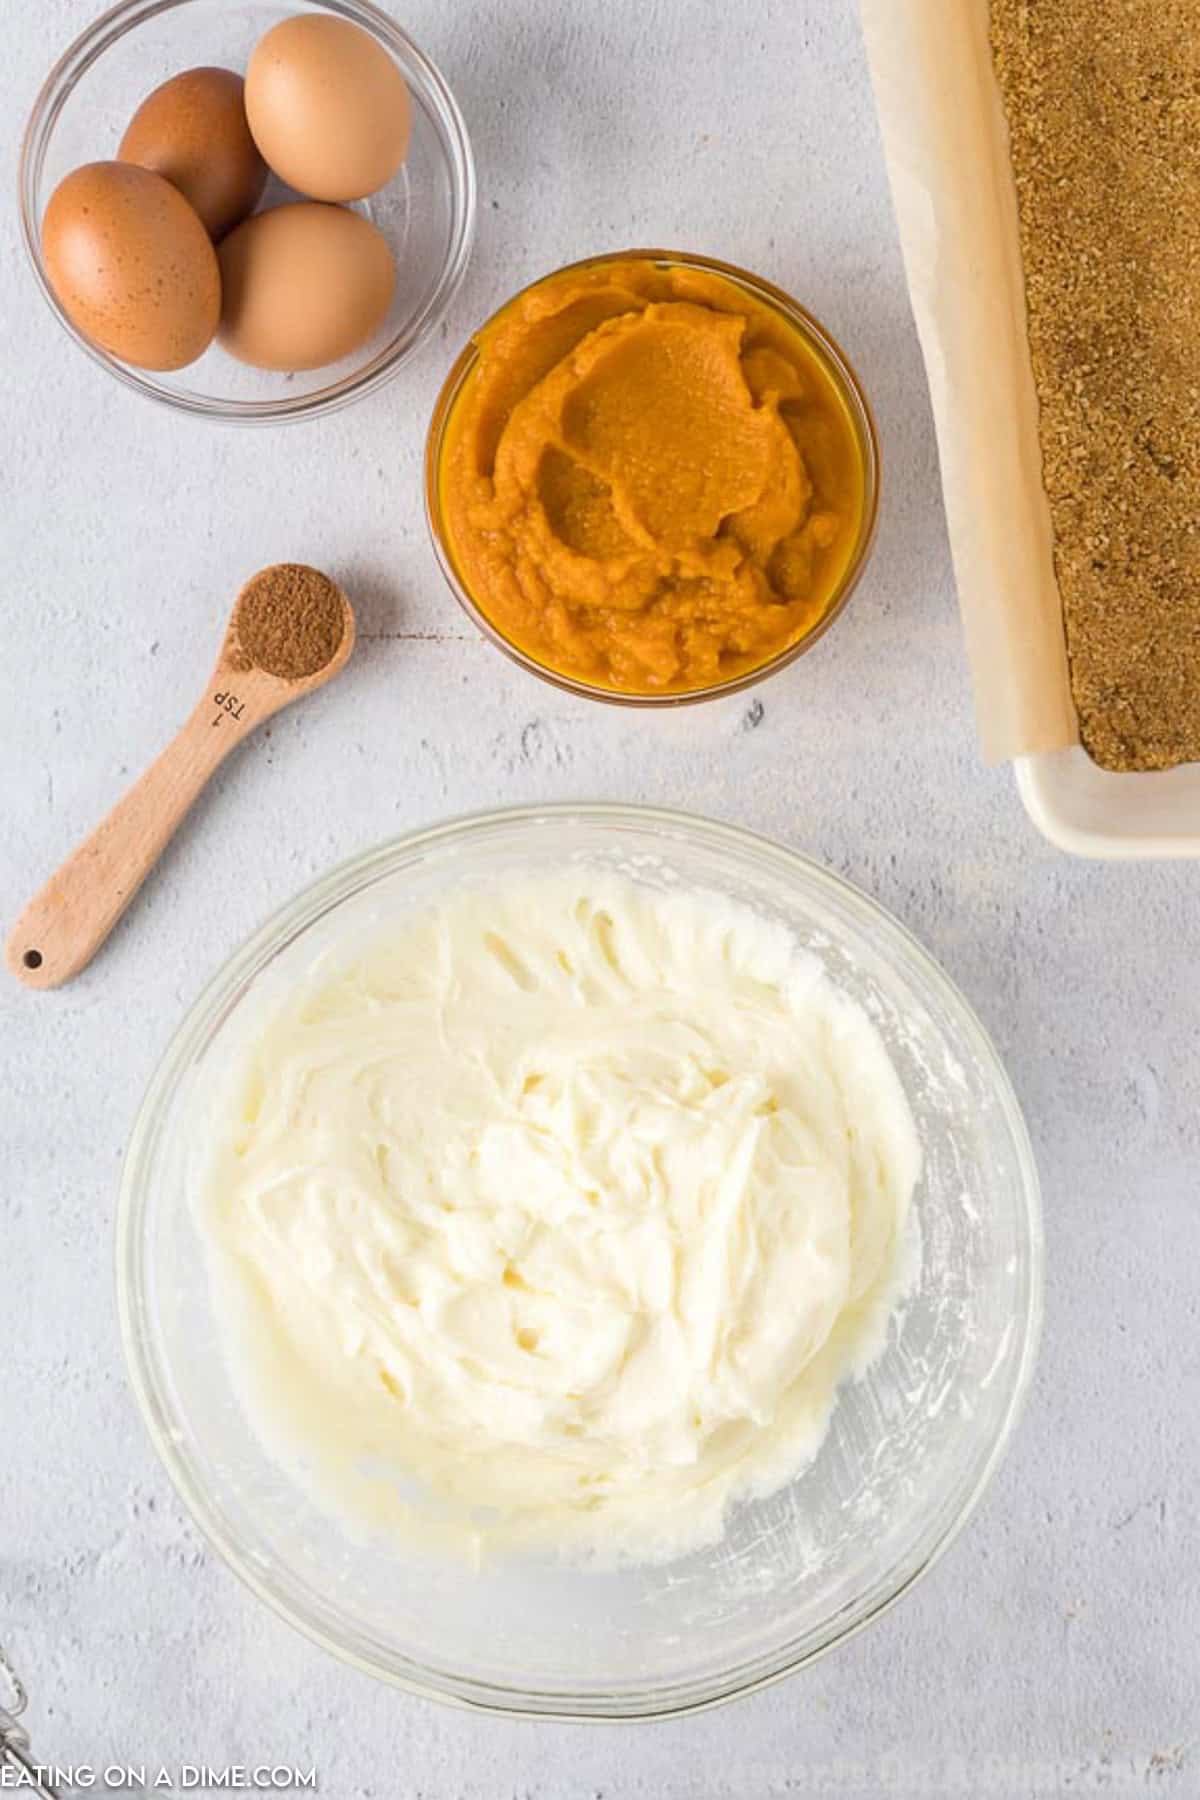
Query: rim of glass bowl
[(319, 1621), (845, 379), (61, 82)]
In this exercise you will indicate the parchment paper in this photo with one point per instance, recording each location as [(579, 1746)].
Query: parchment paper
[(946, 144)]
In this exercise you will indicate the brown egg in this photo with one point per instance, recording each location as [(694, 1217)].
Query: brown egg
[(193, 131), (131, 264), (303, 285), (328, 107)]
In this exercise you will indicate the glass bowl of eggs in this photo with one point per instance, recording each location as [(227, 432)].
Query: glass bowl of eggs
[(248, 212)]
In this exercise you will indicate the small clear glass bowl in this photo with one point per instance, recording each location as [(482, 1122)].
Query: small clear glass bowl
[(841, 373), (911, 1445), (427, 213)]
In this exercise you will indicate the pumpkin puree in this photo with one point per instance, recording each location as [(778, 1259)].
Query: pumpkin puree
[(649, 481)]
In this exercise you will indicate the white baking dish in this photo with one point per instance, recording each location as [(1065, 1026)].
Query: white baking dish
[(946, 147), (1090, 811)]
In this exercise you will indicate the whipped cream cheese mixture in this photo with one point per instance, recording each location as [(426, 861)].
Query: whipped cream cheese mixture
[(554, 1215)]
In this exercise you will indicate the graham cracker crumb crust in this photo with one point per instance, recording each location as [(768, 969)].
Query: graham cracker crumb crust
[(1103, 106)]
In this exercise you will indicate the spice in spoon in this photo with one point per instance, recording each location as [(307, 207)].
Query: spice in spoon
[(290, 621)]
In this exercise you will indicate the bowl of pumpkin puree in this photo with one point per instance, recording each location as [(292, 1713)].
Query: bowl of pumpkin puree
[(652, 478)]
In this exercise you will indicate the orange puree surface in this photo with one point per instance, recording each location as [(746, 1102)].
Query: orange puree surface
[(649, 481)]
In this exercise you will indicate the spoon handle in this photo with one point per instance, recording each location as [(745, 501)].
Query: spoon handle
[(65, 924)]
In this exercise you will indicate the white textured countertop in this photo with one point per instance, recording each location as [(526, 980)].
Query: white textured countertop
[(1057, 1646)]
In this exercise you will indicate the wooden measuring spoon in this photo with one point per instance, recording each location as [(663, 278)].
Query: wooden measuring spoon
[(63, 927)]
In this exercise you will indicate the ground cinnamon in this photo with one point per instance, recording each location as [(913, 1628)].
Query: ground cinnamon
[(290, 621)]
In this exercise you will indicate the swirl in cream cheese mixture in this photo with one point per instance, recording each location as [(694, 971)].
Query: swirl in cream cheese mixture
[(557, 1213)]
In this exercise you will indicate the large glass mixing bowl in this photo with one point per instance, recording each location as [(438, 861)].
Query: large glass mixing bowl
[(911, 1446)]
